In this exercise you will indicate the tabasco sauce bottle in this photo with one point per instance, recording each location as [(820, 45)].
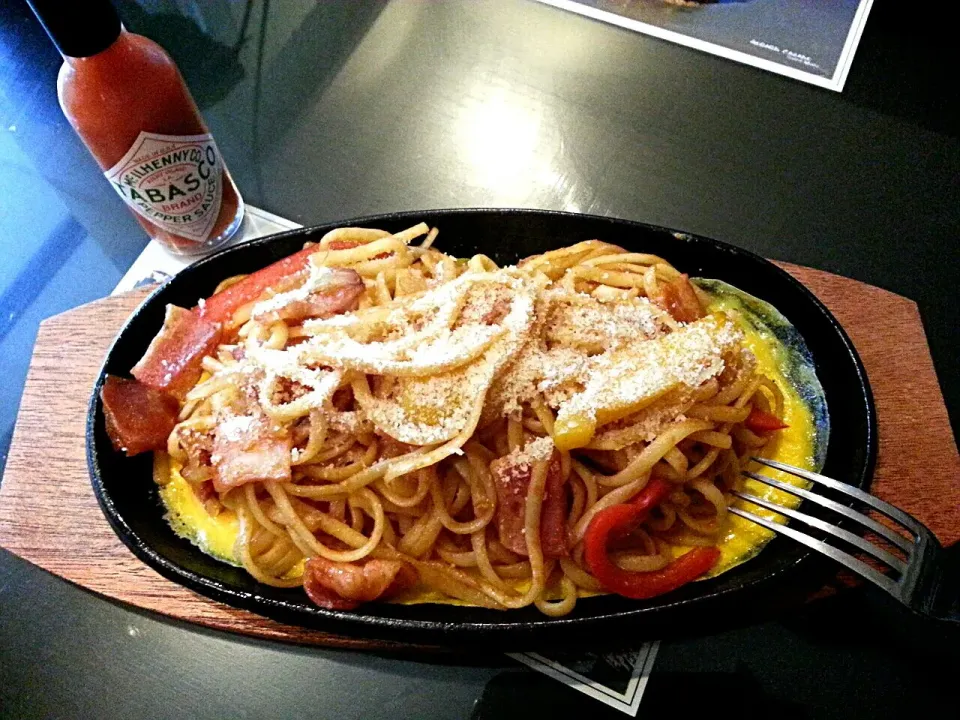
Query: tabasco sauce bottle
[(126, 99)]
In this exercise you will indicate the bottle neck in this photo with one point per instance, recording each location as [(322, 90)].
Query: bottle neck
[(120, 45), (78, 29)]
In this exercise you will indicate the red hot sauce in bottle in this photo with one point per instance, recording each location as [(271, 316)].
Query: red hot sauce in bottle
[(124, 96)]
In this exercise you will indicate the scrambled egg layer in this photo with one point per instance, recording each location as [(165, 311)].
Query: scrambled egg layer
[(795, 445), (189, 519)]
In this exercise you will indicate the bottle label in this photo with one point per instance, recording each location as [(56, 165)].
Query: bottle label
[(174, 181)]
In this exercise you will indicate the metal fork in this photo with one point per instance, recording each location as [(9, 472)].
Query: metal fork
[(917, 579)]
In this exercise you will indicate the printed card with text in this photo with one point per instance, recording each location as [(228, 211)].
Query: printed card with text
[(809, 41)]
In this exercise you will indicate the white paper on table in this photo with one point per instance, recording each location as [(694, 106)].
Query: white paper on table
[(157, 264), (617, 679)]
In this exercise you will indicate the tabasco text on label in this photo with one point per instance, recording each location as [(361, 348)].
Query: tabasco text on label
[(175, 182)]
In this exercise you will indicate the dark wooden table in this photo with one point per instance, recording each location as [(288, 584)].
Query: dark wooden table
[(327, 110)]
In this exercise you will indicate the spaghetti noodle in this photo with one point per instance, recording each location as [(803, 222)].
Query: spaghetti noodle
[(383, 417)]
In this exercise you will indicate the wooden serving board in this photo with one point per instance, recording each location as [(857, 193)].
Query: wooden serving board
[(49, 516)]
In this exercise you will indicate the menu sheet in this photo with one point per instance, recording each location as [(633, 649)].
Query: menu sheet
[(809, 40), (617, 679)]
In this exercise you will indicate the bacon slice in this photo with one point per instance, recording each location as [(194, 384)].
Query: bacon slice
[(197, 444), (512, 480), (323, 305), (340, 296), (248, 448), (679, 299), (220, 307), (204, 491), (343, 244), (138, 417), (344, 586), (172, 363), (350, 244), (391, 447)]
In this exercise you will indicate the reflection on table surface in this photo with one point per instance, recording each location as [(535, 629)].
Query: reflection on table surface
[(328, 110)]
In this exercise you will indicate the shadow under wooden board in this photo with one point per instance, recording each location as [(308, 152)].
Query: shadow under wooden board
[(46, 498)]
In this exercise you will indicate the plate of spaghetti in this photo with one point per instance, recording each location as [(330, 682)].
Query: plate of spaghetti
[(471, 425)]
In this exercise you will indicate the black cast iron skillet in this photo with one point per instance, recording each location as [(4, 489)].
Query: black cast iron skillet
[(128, 496)]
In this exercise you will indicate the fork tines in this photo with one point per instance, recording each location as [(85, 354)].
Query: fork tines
[(913, 547)]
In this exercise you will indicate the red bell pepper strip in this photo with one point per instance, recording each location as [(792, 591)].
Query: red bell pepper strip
[(619, 520), (652, 495), (219, 308), (763, 422)]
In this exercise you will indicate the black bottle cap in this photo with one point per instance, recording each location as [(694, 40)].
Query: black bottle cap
[(78, 29)]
